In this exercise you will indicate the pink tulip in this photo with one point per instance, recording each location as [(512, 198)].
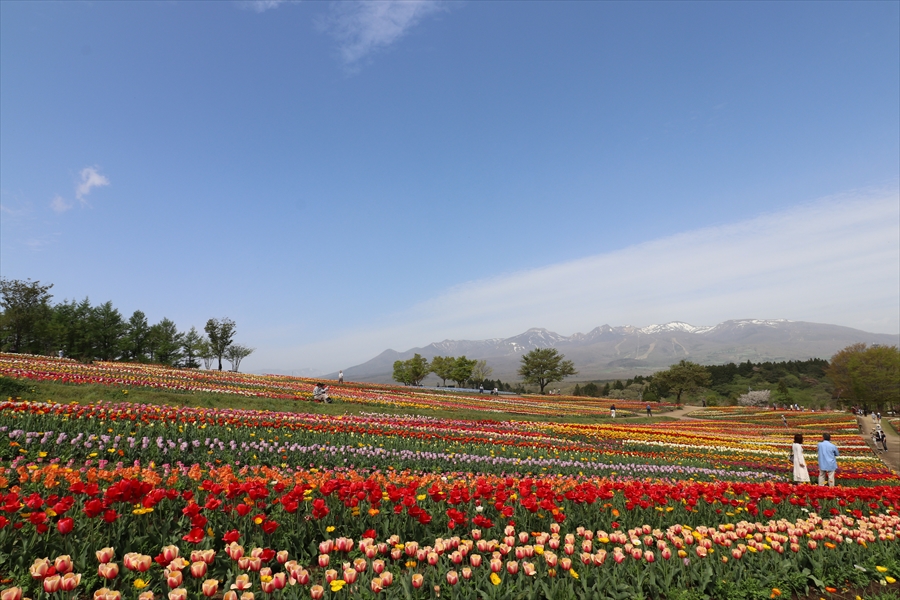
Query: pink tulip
[(39, 568), (169, 553), (351, 575), (241, 583), (452, 577), (210, 587), (387, 578), (330, 575), (280, 580), (376, 585), (107, 594), (316, 592), (418, 580), (104, 555), (52, 583), (63, 564), (13, 593), (178, 594), (512, 567), (109, 570), (324, 559), (173, 578), (70, 581)]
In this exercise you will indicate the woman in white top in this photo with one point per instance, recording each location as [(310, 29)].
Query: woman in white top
[(801, 474)]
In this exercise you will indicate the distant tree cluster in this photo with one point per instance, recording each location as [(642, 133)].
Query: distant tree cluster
[(30, 323), (459, 369)]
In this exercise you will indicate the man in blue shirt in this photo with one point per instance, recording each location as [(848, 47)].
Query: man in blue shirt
[(828, 454)]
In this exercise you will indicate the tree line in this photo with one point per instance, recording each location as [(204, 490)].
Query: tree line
[(30, 323), (858, 375), (459, 369)]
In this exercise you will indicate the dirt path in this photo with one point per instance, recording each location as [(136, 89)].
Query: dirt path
[(892, 457), (681, 413)]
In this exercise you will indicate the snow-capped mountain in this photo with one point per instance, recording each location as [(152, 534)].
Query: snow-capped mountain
[(624, 351)]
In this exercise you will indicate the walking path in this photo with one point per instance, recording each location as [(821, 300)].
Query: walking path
[(892, 457), (681, 413)]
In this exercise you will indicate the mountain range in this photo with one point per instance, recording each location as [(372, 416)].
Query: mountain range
[(607, 352)]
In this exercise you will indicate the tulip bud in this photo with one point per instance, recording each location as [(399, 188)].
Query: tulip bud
[(105, 555), (109, 570), (63, 564), (280, 580), (198, 569), (169, 553)]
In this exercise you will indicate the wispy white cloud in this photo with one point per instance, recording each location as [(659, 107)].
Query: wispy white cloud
[(834, 261), (60, 204), (362, 27), (90, 179), (260, 5)]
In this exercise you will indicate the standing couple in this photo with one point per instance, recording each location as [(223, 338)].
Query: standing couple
[(828, 454)]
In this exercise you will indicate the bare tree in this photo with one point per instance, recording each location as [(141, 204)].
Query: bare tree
[(235, 353), (481, 371)]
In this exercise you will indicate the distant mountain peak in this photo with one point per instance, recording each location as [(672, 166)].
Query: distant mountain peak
[(607, 352)]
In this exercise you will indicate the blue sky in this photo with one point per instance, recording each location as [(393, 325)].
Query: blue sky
[(341, 178)]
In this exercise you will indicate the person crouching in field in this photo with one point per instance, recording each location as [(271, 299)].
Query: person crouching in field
[(801, 473), (320, 393)]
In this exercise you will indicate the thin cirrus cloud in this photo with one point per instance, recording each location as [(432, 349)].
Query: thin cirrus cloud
[(60, 204), (260, 5), (90, 179), (361, 28), (833, 261)]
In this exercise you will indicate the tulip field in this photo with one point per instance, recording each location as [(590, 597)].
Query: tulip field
[(124, 500)]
